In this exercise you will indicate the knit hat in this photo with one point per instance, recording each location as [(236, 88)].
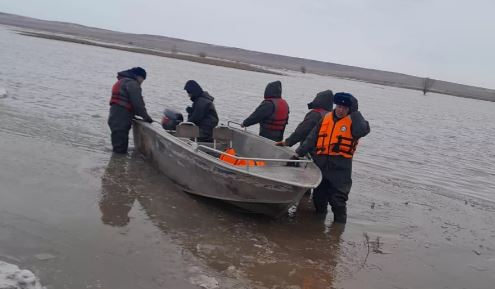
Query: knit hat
[(138, 71)]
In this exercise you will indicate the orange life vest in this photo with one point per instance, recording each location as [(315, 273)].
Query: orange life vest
[(335, 137), (227, 157)]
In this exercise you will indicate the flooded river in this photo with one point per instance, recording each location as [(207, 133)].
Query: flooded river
[(421, 211)]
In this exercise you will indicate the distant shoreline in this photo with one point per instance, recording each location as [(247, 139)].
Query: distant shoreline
[(204, 59), (232, 57), (199, 59)]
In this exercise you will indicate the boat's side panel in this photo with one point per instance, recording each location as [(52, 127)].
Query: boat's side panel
[(251, 145), (201, 176)]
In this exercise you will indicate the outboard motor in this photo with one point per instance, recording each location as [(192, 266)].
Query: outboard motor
[(171, 118)]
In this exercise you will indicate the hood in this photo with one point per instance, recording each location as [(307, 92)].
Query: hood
[(126, 74), (206, 95), (323, 99), (203, 94), (193, 88), (274, 89)]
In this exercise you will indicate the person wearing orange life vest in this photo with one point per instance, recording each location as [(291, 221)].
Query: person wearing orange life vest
[(333, 143), (319, 107), (272, 114), (126, 102)]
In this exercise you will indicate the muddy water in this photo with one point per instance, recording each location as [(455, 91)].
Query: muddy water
[(421, 209)]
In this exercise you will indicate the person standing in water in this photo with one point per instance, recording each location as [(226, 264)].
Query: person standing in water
[(126, 102), (333, 143), (319, 107)]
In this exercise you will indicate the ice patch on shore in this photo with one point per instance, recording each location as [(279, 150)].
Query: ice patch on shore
[(11, 277), (203, 281)]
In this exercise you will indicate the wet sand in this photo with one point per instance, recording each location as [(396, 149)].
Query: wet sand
[(79, 217)]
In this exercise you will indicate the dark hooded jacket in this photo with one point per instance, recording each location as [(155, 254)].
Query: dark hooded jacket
[(130, 91), (336, 169), (323, 101), (203, 112), (265, 111)]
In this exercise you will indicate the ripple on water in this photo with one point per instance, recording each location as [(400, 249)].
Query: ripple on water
[(3, 93)]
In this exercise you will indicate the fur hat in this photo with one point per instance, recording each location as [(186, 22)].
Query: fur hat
[(343, 98)]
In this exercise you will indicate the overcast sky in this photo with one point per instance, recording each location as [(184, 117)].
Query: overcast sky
[(452, 40)]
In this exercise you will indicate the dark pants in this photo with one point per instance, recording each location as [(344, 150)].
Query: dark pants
[(326, 194), (120, 122), (205, 133), (205, 139)]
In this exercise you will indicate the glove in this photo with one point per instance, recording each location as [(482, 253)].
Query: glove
[(189, 110), (293, 164), (280, 143), (148, 119)]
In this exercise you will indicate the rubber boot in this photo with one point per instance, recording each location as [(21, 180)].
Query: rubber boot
[(120, 122), (120, 141), (339, 214)]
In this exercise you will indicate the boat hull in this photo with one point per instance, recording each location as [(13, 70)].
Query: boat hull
[(204, 176)]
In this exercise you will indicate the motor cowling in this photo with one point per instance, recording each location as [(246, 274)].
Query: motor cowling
[(171, 118)]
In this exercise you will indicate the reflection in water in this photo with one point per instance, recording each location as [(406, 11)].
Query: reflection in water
[(117, 195), (303, 252)]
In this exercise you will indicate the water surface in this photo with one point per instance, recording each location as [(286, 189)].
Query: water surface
[(421, 208)]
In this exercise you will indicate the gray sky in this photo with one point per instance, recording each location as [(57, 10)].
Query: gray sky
[(452, 40)]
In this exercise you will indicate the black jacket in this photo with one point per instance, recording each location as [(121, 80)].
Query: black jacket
[(324, 101), (336, 169), (203, 114), (264, 112)]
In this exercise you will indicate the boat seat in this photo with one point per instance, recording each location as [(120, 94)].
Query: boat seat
[(222, 134), (187, 130)]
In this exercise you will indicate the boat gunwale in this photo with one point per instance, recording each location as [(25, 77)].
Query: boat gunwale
[(216, 161)]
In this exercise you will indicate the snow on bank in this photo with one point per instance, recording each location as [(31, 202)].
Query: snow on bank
[(11, 277)]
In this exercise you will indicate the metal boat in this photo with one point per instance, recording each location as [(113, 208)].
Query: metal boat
[(197, 168)]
